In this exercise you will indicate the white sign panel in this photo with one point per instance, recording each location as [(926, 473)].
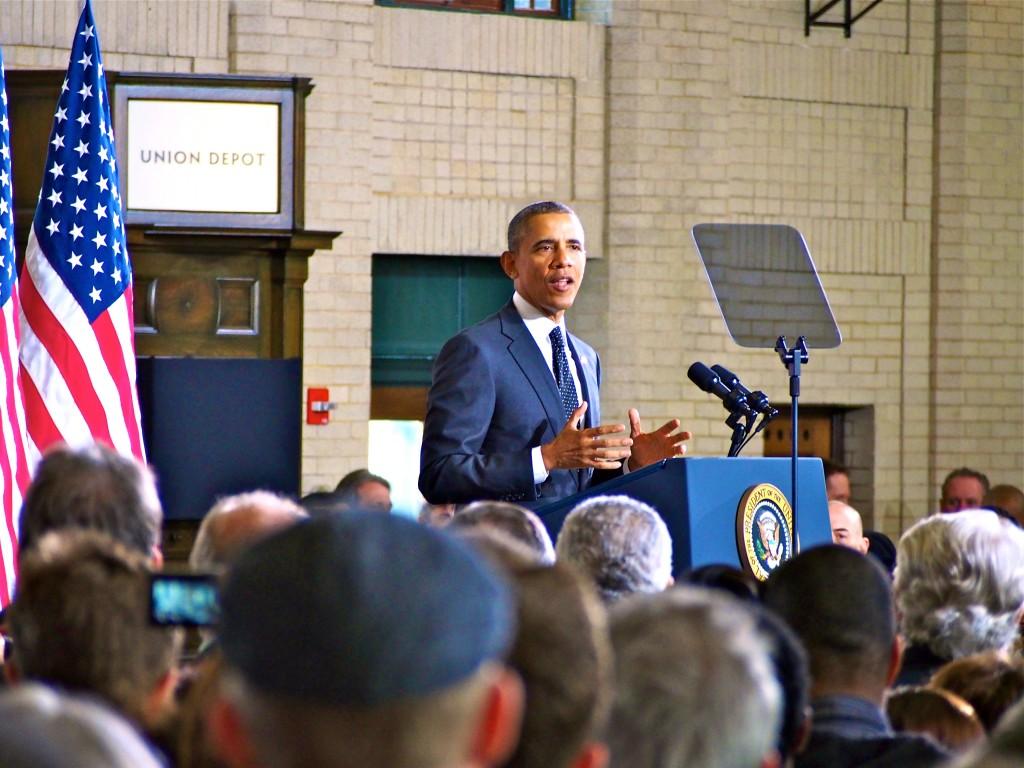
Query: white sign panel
[(203, 156)]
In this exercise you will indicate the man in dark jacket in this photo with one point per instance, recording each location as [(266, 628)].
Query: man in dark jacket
[(840, 605)]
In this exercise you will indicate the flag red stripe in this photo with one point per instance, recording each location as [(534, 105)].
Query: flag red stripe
[(18, 455), (66, 358), (19, 470), (41, 428), (110, 348), (22, 473)]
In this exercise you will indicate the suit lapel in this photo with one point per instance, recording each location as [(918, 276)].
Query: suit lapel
[(586, 370), (528, 357)]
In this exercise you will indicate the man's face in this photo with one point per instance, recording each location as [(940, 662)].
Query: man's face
[(441, 514), (962, 493), (837, 487), (847, 528), (547, 266), (374, 496)]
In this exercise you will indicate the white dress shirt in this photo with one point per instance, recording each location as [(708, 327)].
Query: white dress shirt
[(540, 328)]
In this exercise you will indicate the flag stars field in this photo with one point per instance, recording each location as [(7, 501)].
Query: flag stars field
[(77, 300)]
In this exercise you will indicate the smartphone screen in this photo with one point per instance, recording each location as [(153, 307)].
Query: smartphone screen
[(183, 600)]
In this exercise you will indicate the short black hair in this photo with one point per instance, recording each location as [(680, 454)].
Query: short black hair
[(95, 488), (350, 484), (518, 223), (833, 468), (882, 548), (839, 603), (974, 474), (727, 578), (319, 503)]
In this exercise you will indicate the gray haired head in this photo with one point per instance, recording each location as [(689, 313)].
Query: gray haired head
[(236, 521), (694, 684), (622, 543), (959, 582), (40, 728), (518, 522)]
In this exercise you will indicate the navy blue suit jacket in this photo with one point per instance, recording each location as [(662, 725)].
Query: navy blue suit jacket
[(492, 400)]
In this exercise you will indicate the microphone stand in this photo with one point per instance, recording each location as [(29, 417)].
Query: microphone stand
[(792, 359), (739, 432)]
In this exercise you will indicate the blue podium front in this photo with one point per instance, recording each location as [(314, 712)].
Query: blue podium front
[(698, 499)]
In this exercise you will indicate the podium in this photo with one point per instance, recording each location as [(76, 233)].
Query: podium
[(698, 499)]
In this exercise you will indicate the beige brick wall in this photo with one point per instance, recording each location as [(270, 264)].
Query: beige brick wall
[(977, 393), (426, 130), (738, 117), (465, 134), (331, 42), (166, 36)]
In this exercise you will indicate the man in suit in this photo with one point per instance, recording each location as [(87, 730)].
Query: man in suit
[(514, 409)]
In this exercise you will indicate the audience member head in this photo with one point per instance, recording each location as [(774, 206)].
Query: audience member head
[(437, 515), (518, 522), (1008, 498), (563, 654), (959, 583), (1005, 746), (361, 489), (95, 488), (963, 488), (837, 481), (789, 662), (882, 548), (320, 503), (621, 543), (365, 640), (237, 521), (693, 684), (727, 578), (991, 682), (847, 529), (80, 620), (41, 728), (839, 604), (944, 716), (499, 548)]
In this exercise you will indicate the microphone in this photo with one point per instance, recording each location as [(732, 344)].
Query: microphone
[(757, 400), (706, 379)]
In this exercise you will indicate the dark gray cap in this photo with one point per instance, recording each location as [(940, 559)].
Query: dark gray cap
[(361, 609)]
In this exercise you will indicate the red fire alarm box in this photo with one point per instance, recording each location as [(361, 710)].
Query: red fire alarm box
[(318, 405)]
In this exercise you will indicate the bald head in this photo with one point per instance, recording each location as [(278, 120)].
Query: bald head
[(237, 521), (1008, 498), (847, 528)]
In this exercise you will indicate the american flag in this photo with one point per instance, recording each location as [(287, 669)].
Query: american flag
[(14, 469), (77, 350)]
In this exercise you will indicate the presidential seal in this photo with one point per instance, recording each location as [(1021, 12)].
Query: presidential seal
[(764, 530)]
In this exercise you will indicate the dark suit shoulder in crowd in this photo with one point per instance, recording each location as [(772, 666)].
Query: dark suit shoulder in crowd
[(847, 732), (918, 665)]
